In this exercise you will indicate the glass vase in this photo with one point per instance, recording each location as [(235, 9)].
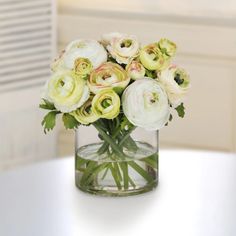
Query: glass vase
[(112, 160)]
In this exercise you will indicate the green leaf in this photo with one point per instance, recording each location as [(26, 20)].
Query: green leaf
[(117, 169), (108, 139), (49, 121), (105, 172), (151, 161), (111, 59), (88, 171), (47, 105), (80, 164), (124, 168), (151, 74), (91, 176), (129, 143), (115, 176), (132, 182), (180, 110), (144, 173), (170, 119), (69, 121), (125, 124)]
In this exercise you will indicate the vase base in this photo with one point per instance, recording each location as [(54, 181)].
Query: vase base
[(113, 192), (115, 175)]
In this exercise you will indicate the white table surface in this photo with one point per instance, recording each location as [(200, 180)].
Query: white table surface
[(196, 196)]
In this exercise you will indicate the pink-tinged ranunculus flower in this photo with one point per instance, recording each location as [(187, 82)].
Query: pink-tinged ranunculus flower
[(123, 48), (108, 75), (135, 70)]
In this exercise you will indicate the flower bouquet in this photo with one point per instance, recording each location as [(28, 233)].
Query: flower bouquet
[(118, 87)]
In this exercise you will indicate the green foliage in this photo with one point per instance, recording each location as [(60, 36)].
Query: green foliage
[(125, 124), (180, 110), (69, 121), (151, 74), (49, 121), (170, 119), (111, 59), (47, 105)]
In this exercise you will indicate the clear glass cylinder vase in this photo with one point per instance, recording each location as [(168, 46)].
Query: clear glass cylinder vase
[(111, 164)]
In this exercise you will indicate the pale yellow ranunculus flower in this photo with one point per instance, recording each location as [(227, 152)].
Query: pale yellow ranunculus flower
[(106, 104), (83, 67), (85, 114), (167, 47), (67, 91), (152, 58)]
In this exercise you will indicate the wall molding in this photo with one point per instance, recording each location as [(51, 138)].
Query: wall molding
[(152, 10), (184, 35)]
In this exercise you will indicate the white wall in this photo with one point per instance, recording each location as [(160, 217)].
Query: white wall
[(21, 135), (192, 8)]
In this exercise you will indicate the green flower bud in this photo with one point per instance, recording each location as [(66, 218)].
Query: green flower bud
[(83, 67), (167, 47), (152, 58), (106, 104)]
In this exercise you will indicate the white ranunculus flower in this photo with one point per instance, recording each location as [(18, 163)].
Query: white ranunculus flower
[(176, 82), (67, 91), (123, 48), (145, 104), (89, 49), (106, 38)]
